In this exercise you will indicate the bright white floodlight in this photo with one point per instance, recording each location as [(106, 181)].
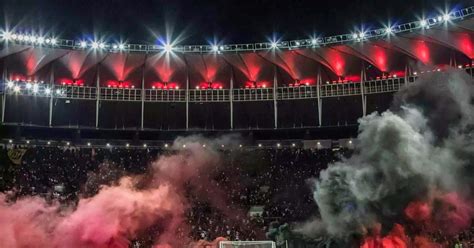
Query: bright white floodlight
[(168, 48), (47, 91), (101, 45), (83, 44), (54, 41), (446, 17), (423, 23), (35, 88), (121, 46), (40, 40), (6, 35), (28, 85), (215, 48), (95, 45), (10, 84), (314, 41), (16, 89), (388, 30), (274, 45)]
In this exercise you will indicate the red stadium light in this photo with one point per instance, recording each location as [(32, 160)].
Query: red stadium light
[(71, 82), (18, 77), (397, 74), (165, 85), (352, 78), (253, 84), (118, 84), (209, 85), (307, 81)]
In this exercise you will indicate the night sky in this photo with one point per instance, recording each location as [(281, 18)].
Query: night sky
[(203, 21)]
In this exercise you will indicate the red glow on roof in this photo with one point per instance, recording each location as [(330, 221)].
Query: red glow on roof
[(336, 60), (422, 51), (380, 58), (465, 45)]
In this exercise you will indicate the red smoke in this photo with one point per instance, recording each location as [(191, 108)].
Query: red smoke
[(450, 213), (395, 239), (118, 214)]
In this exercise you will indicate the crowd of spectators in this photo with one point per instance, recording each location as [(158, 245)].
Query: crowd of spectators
[(276, 182)]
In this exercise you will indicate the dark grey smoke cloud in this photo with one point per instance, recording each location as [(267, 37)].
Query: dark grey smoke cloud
[(422, 146)]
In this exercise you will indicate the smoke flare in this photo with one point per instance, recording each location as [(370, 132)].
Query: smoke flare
[(414, 164)]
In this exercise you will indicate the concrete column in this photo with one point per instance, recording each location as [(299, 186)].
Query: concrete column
[(97, 97)]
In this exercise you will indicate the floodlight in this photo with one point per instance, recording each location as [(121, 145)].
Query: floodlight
[(168, 48), (6, 35), (35, 88), (215, 48), (121, 46), (423, 23), (47, 91), (40, 40), (446, 17), (16, 88), (83, 44), (101, 45), (95, 45), (10, 84), (28, 85), (314, 41), (388, 30), (54, 41), (274, 45)]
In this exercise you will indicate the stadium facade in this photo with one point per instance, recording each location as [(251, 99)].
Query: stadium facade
[(299, 85)]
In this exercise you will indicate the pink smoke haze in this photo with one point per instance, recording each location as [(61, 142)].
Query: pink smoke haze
[(117, 214), (448, 212)]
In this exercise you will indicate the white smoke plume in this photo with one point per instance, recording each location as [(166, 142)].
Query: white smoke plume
[(422, 151)]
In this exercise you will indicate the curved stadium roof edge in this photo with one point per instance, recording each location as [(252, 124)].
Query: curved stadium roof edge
[(360, 36)]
